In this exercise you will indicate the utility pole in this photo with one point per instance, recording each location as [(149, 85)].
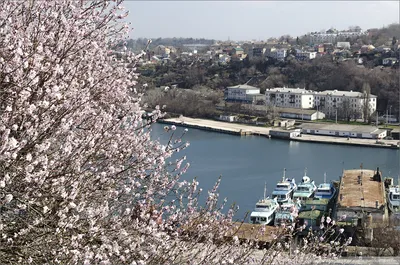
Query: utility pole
[(387, 117), (390, 112), (377, 119), (317, 112)]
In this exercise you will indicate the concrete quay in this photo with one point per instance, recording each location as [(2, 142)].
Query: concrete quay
[(243, 130), (391, 144), (218, 126)]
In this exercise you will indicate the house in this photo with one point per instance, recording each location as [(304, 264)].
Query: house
[(242, 93), (290, 98), (237, 52), (258, 51), (305, 55), (343, 45), (367, 48), (223, 58), (164, 51), (344, 130)]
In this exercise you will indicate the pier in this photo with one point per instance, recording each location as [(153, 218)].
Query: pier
[(245, 130), (218, 126)]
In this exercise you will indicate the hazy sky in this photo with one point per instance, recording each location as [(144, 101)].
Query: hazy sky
[(245, 20)]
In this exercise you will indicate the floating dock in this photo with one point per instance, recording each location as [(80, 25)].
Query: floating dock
[(362, 200)]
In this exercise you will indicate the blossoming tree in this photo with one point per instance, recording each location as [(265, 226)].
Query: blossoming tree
[(80, 179)]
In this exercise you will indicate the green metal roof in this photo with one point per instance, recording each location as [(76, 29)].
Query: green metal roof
[(317, 202), (310, 214)]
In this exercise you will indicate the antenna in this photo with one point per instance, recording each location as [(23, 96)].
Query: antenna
[(325, 177), (265, 189)]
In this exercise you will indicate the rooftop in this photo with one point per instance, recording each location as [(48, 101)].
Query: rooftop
[(247, 87), (354, 194), (341, 93), (289, 90), (341, 127)]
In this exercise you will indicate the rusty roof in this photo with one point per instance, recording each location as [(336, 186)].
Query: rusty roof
[(353, 194)]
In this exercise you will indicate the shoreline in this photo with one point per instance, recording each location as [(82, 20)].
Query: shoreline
[(246, 130)]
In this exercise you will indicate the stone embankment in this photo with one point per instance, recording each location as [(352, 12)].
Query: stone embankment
[(243, 129)]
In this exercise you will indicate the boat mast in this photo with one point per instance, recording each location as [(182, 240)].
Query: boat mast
[(284, 174), (325, 177), (305, 172), (265, 189)]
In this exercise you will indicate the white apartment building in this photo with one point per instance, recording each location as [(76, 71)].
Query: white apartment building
[(241, 93), (329, 101), (299, 98), (323, 38)]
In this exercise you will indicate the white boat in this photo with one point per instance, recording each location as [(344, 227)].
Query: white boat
[(284, 189), (325, 190), (287, 212), (265, 210), (305, 190), (393, 197)]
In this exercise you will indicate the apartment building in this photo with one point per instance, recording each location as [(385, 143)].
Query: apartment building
[(330, 101), (299, 98), (348, 103)]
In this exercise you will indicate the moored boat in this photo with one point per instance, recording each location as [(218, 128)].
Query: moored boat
[(264, 211), (287, 212), (393, 198), (284, 189), (305, 190), (325, 190)]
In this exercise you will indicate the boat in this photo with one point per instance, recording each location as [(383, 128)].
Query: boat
[(264, 211), (287, 212), (284, 189), (393, 198), (305, 189), (325, 190)]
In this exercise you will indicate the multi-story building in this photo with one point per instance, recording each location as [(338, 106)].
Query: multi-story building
[(242, 93), (346, 104), (318, 38), (299, 98), (351, 102)]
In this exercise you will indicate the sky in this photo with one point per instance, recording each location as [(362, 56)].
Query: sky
[(254, 20)]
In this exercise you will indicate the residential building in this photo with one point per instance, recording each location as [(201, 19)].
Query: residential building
[(333, 103), (281, 54), (242, 93), (258, 51), (318, 38), (351, 102), (299, 98), (305, 55), (343, 45), (237, 52)]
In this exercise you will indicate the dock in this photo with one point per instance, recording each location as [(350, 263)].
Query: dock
[(269, 132), (362, 198), (218, 126)]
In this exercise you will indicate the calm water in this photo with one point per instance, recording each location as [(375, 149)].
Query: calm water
[(246, 163)]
